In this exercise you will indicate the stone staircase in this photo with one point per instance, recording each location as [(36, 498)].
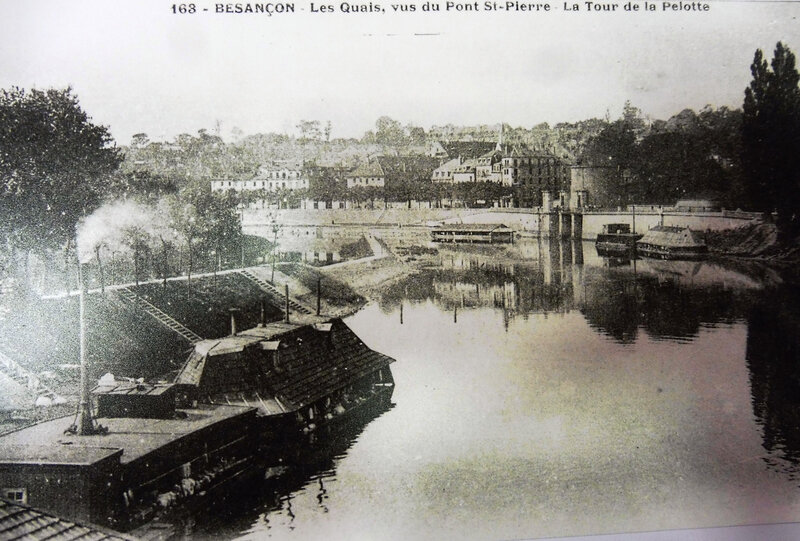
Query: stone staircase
[(275, 294), (132, 298)]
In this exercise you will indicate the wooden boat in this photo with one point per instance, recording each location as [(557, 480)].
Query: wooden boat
[(616, 240), (670, 242)]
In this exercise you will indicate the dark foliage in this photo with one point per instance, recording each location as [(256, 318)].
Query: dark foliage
[(771, 137), (54, 166)]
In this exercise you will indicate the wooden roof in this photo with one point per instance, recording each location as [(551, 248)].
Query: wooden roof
[(671, 236), (19, 522), (133, 437), (295, 363)]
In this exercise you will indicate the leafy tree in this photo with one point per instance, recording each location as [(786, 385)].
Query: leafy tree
[(325, 185), (416, 135), (143, 184), (389, 132), (612, 151), (771, 137), (54, 166), (139, 140), (689, 155), (310, 130)]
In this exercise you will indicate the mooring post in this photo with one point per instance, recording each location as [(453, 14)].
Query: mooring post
[(233, 312), (401, 312), (263, 321), (319, 294)]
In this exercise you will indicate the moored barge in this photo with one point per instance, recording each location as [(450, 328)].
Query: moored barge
[(617, 240), (300, 376), (239, 404), (671, 242), (133, 466)]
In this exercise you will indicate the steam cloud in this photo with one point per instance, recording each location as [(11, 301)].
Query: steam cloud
[(111, 224)]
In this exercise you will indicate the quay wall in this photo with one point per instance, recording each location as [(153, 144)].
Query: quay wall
[(330, 223), (645, 219), (377, 216)]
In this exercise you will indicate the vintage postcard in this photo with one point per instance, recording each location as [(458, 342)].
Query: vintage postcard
[(399, 269)]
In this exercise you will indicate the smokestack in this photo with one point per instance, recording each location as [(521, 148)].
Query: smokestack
[(233, 312), (286, 289), (85, 421)]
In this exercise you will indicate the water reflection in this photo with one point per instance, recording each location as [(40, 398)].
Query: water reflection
[(543, 390), (270, 501), (773, 355), (665, 299)]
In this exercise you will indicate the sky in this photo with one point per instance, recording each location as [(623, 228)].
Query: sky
[(138, 68)]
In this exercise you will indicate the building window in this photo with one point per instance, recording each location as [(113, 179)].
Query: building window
[(16, 495)]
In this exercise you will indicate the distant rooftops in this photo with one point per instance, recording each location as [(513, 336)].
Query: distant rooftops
[(371, 168), (464, 149)]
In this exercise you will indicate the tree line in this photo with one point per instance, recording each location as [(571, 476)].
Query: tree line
[(744, 158), (57, 166)]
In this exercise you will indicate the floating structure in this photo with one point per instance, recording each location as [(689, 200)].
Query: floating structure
[(471, 233), (299, 375), (234, 408), (670, 242), (617, 240), (134, 467)]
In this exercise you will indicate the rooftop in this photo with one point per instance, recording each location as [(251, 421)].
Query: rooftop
[(467, 149), (296, 363), (47, 442), (671, 236), (369, 169), (19, 522)]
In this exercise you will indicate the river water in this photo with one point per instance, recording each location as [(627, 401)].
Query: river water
[(544, 391)]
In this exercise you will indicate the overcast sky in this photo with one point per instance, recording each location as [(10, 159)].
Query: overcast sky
[(136, 67)]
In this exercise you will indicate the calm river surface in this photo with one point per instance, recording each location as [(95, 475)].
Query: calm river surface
[(544, 391)]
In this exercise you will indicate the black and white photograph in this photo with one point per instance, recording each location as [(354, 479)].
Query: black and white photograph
[(435, 269)]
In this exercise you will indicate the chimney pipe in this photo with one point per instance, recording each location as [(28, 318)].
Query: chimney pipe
[(286, 289), (233, 312), (85, 422)]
